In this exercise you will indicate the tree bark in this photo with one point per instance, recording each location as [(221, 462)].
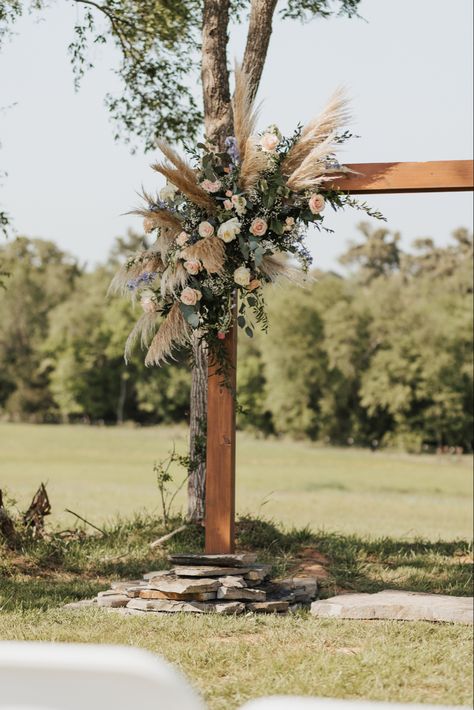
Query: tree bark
[(214, 72), (258, 39), (197, 433)]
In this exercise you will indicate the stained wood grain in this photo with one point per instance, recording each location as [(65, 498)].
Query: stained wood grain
[(390, 178), (220, 477)]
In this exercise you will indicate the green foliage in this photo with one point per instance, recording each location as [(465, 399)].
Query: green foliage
[(383, 355)]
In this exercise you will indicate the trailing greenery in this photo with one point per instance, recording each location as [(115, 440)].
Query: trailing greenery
[(381, 357)]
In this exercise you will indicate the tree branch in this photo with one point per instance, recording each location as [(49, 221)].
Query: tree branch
[(258, 39)]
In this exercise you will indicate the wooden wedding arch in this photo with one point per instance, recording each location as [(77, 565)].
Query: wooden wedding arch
[(372, 178)]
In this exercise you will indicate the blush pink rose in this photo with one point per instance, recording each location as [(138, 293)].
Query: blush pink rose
[(190, 296), (316, 203), (258, 227), (182, 238), (269, 142), (148, 304), (192, 266), (227, 205), (210, 186), (205, 229)]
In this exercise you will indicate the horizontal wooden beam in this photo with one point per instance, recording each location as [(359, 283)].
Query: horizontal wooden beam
[(432, 176)]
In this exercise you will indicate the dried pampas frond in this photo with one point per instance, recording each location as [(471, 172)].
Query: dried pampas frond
[(174, 332), (143, 330), (210, 252), (142, 261), (183, 177), (334, 116), (274, 267), (309, 173), (245, 115), (159, 218), (174, 278), (253, 165), (165, 240)]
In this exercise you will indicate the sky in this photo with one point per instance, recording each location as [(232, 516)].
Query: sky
[(407, 66)]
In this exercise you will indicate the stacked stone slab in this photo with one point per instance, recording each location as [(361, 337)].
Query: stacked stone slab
[(203, 584)]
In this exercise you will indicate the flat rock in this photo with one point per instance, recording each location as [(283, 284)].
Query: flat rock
[(172, 606), (392, 604), (270, 607), (253, 595), (123, 585), (208, 571), (239, 560), (180, 585), (134, 591), (232, 581), (112, 600), (257, 573), (159, 573), (195, 596)]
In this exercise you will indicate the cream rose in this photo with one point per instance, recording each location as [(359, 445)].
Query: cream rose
[(182, 239), (228, 205), (316, 203), (242, 276), (190, 296), (239, 203), (258, 227), (269, 142), (210, 186), (192, 266), (168, 192), (205, 229), (229, 230)]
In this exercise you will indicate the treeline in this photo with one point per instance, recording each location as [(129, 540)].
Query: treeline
[(383, 355)]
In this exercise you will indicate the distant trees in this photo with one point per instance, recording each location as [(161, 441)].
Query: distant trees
[(384, 354)]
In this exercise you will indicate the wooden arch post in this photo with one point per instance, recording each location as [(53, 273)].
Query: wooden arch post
[(374, 178)]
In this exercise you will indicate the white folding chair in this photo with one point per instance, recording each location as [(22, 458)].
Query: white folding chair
[(291, 702), (60, 676)]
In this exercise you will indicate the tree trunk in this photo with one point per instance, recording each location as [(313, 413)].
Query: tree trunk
[(258, 39), (197, 433)]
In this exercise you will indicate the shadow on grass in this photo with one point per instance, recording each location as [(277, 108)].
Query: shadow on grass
[(60, 569)]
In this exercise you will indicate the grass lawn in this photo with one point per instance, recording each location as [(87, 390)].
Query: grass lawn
[(365, 511), (102, 472)]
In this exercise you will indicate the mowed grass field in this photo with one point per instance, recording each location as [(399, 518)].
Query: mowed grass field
[(364, 509), (102, 472)]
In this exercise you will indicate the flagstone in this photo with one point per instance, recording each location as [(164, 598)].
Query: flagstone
[(156, 594), (232, 581), (112, 600), (238, 560), (204, 571), (254, 595), (182, 585), (173, 606), (392, 604)]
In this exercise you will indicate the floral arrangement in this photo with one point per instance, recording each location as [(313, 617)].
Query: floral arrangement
[(231, 221)]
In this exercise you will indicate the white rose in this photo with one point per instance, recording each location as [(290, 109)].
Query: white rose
[(210, 186), (206, 229), (269, 142), (316, 203), (190, 296), (192, 266), (168, 192), (229, 230), (242, 276)]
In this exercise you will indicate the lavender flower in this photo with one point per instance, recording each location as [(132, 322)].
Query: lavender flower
[(232, 149), (143, 279)]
